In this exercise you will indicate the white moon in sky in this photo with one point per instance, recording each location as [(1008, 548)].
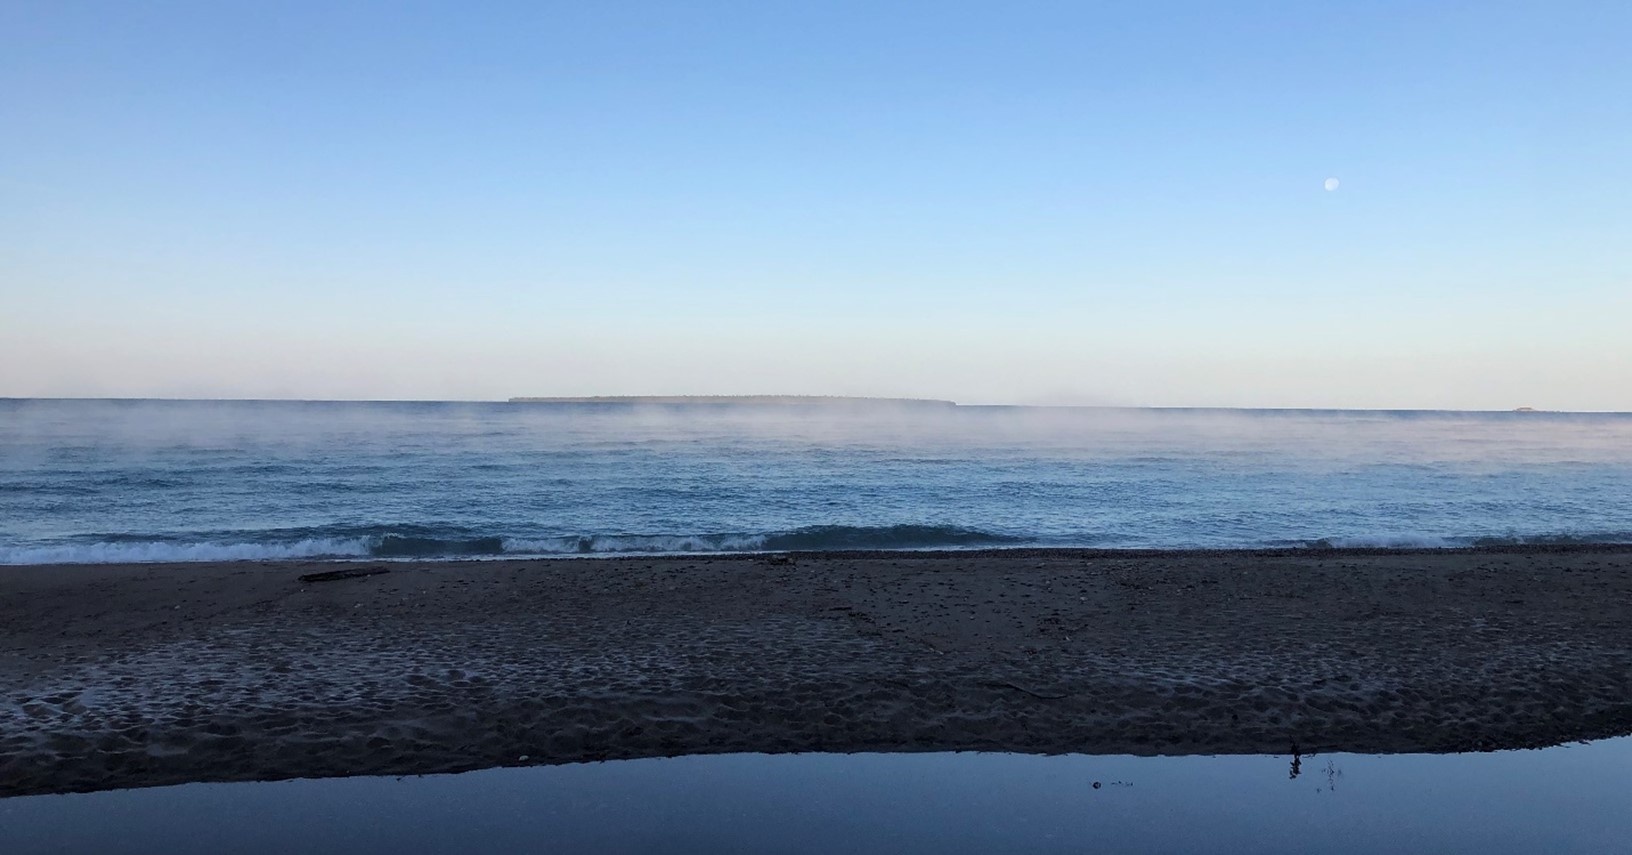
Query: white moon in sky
[(1331, 184)]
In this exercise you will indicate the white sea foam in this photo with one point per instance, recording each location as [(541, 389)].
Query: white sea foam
[(815, 538), (635, 543), (156, 551), (1396, 541)]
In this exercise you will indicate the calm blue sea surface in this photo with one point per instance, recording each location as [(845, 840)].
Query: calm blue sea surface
[(181, 480)]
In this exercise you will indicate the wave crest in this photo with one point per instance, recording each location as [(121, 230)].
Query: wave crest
[(404, 542), (446, 542), (142, 552), (1429, 541)]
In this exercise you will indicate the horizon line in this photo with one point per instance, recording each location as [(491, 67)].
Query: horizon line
[(794, 400)]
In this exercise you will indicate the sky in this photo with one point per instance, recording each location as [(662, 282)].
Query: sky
[(1061, 203)]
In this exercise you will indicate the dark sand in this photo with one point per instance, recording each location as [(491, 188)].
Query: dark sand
[(121, 676)]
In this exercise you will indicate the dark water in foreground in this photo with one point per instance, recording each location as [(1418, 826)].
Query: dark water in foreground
[(191, 480), (1558, 800)]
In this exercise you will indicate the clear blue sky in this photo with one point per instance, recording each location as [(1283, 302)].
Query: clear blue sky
[(1004, 202)]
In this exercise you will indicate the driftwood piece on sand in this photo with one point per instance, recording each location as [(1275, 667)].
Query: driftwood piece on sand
[(348, 573)]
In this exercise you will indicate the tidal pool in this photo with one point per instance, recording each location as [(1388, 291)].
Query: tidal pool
[(1574, 798)]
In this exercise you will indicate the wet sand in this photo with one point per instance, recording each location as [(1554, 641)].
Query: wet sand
[(136, 675)]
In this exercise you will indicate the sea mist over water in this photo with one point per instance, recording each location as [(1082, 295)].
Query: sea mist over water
[(187, 480)]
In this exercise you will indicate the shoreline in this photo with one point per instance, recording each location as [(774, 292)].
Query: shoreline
[(925, 553), (145, 674)]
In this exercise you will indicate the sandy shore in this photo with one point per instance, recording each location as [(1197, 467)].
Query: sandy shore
[(119, 676)]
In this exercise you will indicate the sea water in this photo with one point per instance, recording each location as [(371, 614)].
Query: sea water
[(192, 480)]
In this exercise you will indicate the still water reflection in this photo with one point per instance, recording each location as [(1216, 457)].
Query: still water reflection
[(1567, 799)]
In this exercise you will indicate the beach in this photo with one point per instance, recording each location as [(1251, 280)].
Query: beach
[(129, 675)]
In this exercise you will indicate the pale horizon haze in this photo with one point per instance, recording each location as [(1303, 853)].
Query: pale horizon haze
[(1394, 205)]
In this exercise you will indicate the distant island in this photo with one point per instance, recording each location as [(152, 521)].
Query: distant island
[(756, 400)]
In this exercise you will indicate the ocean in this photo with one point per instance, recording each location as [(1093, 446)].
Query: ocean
[(146, 480)]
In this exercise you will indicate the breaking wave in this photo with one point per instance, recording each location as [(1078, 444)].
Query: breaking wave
[(135, 552), (429, 542), (440, 542), (1426, 541)]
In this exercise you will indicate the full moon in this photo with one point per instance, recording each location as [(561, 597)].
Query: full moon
[(1331, 184)]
